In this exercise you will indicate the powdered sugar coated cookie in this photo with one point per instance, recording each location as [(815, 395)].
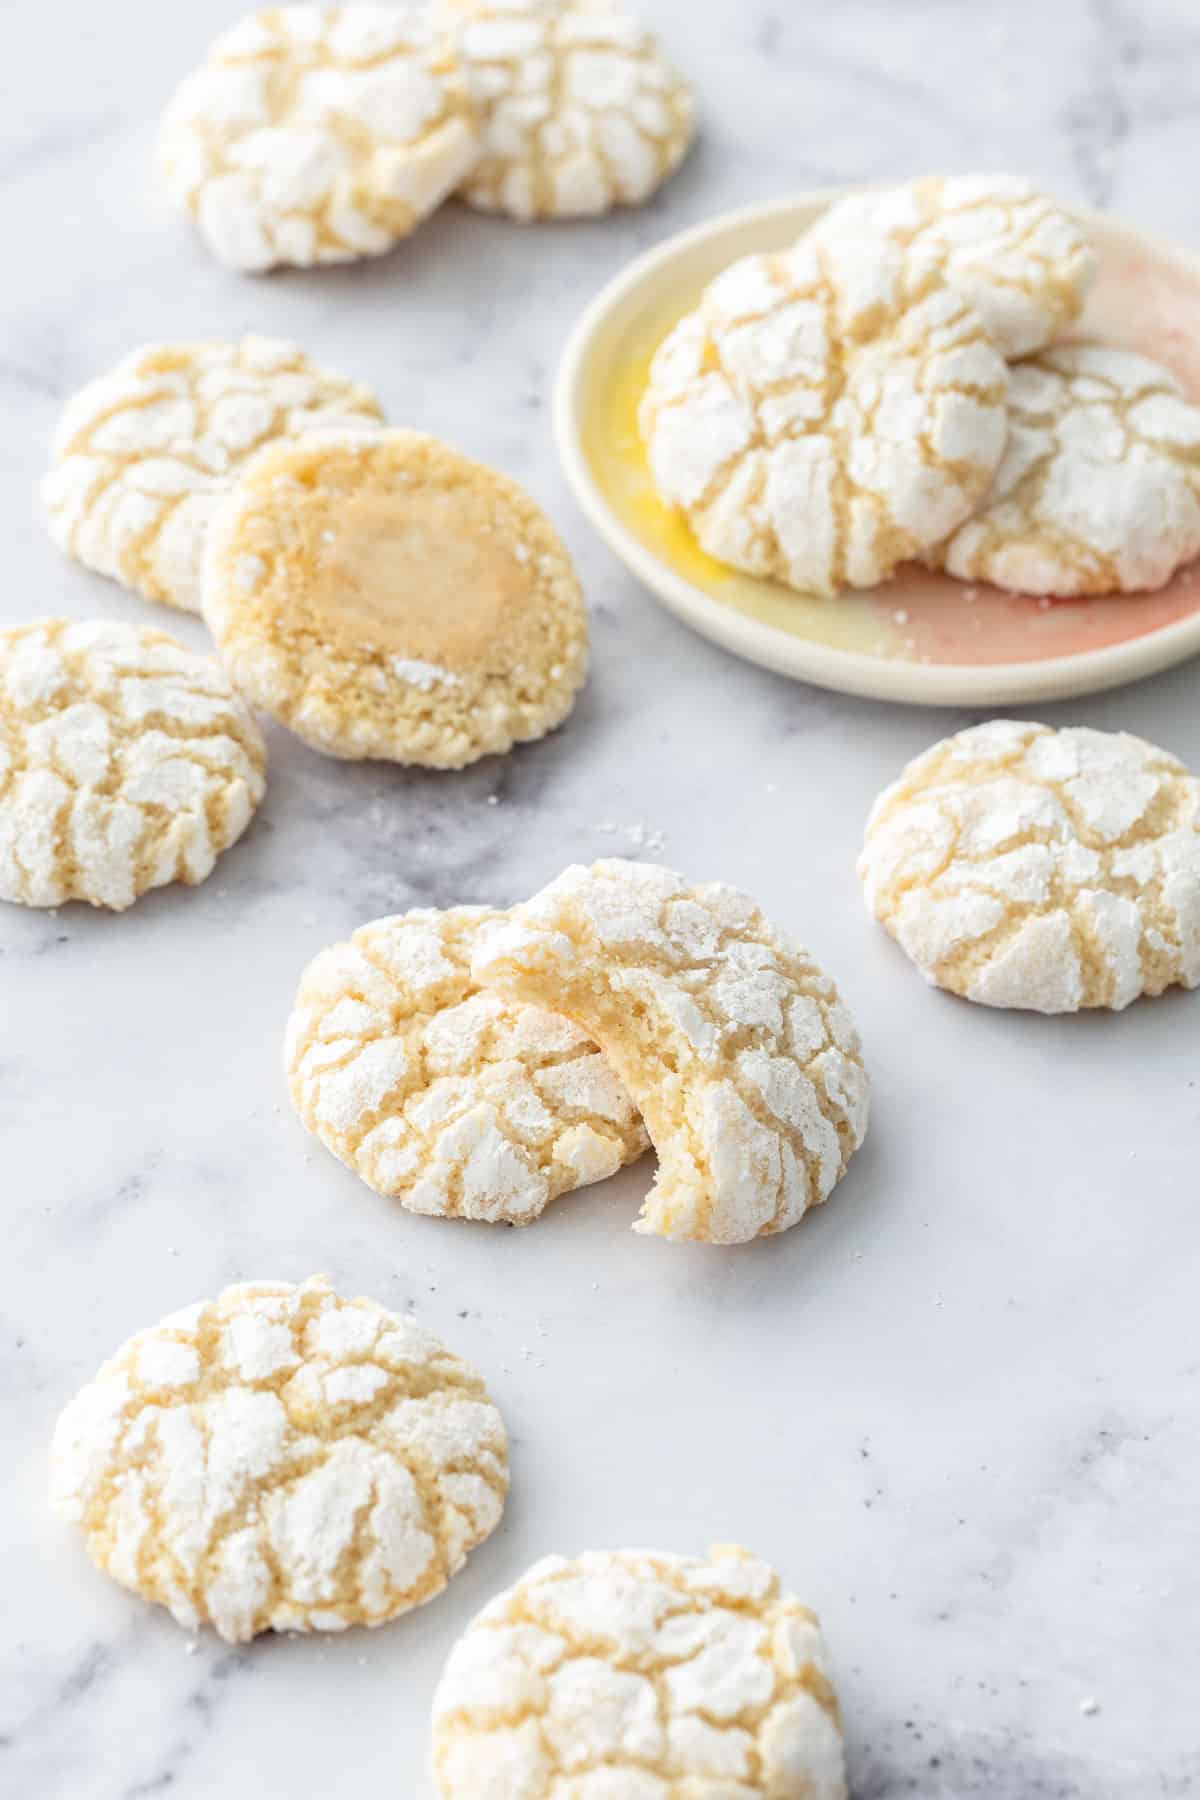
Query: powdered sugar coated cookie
[(825, 414), (1099, 489), (1053, 870), (636, 1675), (443, 1096), (143, 454), (736, 1049), (318, 134), (126, 762), (583, 112), (280, 1459), (1023, 262)]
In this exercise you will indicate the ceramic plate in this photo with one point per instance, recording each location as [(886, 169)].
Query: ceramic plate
[(920, 638)]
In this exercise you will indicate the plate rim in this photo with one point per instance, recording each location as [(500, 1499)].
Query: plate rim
[(851, 672)]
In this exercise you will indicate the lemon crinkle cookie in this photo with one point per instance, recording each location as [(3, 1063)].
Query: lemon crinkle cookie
[(638, 1675), (1023, 262), (582, 111), (824, 414), (318, 134), (736, 1049), (280, 1459), (385, 597), (1052, 870), (444, 1096), (144, 453), (1099, 489), (126, 762)]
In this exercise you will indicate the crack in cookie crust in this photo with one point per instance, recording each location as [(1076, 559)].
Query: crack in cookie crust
[(319, 134), (383, 596), (1099, 489), (737, 1050), (1023, 262), (126, 762), (143, 454), (444, 1096), (635, 1675), (1053, 870), (282, 1459), (825, 414), (582, 112)]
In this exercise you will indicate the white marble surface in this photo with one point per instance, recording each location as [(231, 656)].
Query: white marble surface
[(959, 1407)]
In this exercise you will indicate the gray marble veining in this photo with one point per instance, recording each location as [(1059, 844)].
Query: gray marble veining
[(959, 1407)]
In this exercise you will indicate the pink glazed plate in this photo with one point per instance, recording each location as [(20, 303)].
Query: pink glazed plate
[(921, 638)]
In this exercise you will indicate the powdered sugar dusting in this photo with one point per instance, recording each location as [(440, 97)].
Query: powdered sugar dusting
[(1021, 260), (423, 675), (582, 111), (1099, 488), (282, 1459), (825, 413), (661, 1670), (126, 762), (1024, 867), (689, 991), (319, 135), (144, 454), (452, 1100)]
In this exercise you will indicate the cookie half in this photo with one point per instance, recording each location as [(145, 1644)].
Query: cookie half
[(1099, 488), (384, 597), (1050, 870), (318, 134), (1024, 262), (637, 1675), (825, 414), (440, 1094), (582, 111), (280, 1459), (734, 1046), (143, 454), (126, 762)]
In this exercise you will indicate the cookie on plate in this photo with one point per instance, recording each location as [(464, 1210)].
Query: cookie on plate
[(440, 1094), (1052, 870), (1099, 488), (384, 597), (318, 134), (582, 111), (637, 1675), (1021, 259), (126, 762), (825, 414), (280, 1459), (736, 1049), (143, 454)]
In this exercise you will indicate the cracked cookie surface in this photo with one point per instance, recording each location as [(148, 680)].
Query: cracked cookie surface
[(282, 1459), (737, 1050), (440, 1094), (126, 762), (825, 414), (637, 1675), (1021, 260), (319, 134), (143, 454), (1050, 870), (385, 597), (1098, 491), (582, 110)]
